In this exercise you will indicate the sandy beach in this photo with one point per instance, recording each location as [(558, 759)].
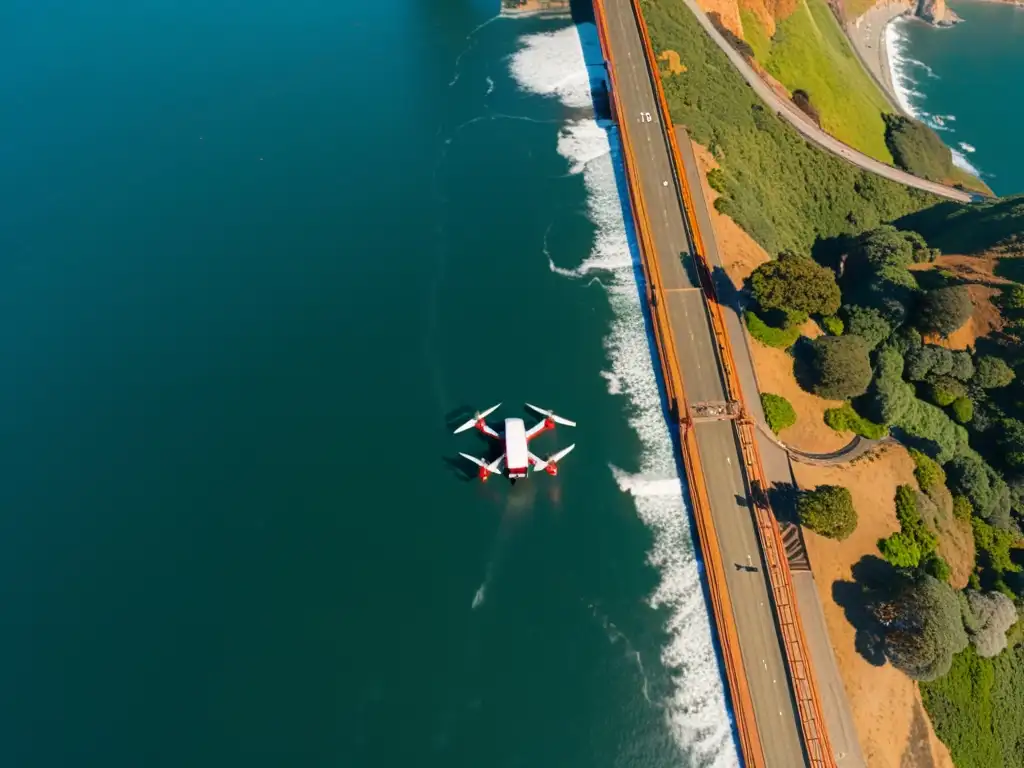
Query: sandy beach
[(867, 34)]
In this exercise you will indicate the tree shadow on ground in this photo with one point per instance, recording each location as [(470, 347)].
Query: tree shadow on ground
[(829, 251), (726, 291), (874, 582), (782, 497), (803, 359)]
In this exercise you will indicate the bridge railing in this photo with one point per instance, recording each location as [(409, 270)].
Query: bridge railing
[(812, 721)]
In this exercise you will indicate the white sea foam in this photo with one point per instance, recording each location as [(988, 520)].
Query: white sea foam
[(911, 100), (967, 147), (960, 161), (554, 64)]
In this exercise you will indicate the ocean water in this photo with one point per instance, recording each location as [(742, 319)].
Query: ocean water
[(965, 83), (254, 262)]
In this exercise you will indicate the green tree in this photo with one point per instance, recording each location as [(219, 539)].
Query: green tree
[(868, 323), (963, 409), (841, 366), (995, 544), (944, 390), (778, 412), (917, 148), (988, 617), (797, 283), (828, 510), (900, 550), (962, 509), (971, 476), (1013, 297), (923, 628), (992, 373), (927, 471), (944, 310), (1011, 442)]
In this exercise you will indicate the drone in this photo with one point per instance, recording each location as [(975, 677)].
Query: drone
[(515, 438)]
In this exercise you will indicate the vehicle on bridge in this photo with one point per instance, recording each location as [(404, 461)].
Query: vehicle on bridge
[(515, 438)]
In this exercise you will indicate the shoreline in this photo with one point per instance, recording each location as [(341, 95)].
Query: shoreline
[(868, 35), (525, 9)]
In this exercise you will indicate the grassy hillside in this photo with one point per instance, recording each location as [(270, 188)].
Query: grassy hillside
[(970, 229), (783, 191), (810, 52)]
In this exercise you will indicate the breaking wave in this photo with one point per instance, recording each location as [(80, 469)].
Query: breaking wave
[(555, 64), (902, 69)]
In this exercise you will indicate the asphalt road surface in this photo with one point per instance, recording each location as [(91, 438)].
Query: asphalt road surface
[(774, 706), (809, 130), (778, 471)]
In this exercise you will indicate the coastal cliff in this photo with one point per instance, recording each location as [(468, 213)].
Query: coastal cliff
[(936, 12)]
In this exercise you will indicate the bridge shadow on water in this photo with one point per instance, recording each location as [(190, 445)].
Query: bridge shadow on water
[(584, 19)]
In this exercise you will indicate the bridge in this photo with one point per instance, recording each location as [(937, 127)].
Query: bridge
[(769, 658)]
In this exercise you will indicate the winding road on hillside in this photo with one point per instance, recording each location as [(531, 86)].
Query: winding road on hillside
[(788, 112)]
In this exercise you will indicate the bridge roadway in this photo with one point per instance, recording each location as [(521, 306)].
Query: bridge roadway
[(718, 442)]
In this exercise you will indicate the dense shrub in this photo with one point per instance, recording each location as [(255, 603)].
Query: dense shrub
[(963, 409), (962, 509), (780, 338), (868, 323), (936, 567), (796, 283), (1012, 297), (994, 545), (917, 148), (944, 310), (828, 510), (929, 362), (987, 618), (977, 709), (927, 471), (930, 424), (971, 229), (900, 550), (923, 628), (833, 325), (1010, 440), (992, 373), (841, 366), (913, 542), (845, 419), (778, 412), (971, 476), (944, 390), (889, 396)]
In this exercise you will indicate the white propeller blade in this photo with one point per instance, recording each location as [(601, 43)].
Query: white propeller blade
[(474, 459), (561, 454), (492, 468), (538, 463), (552, 415), (476, 417)]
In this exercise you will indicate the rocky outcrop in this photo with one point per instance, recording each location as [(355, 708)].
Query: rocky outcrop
[(936, 12)]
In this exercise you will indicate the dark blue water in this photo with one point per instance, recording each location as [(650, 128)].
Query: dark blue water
[(254, 259)]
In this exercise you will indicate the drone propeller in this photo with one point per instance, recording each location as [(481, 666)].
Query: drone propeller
[(551, 465), (552, 415), (477, 418), (485, 469)]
